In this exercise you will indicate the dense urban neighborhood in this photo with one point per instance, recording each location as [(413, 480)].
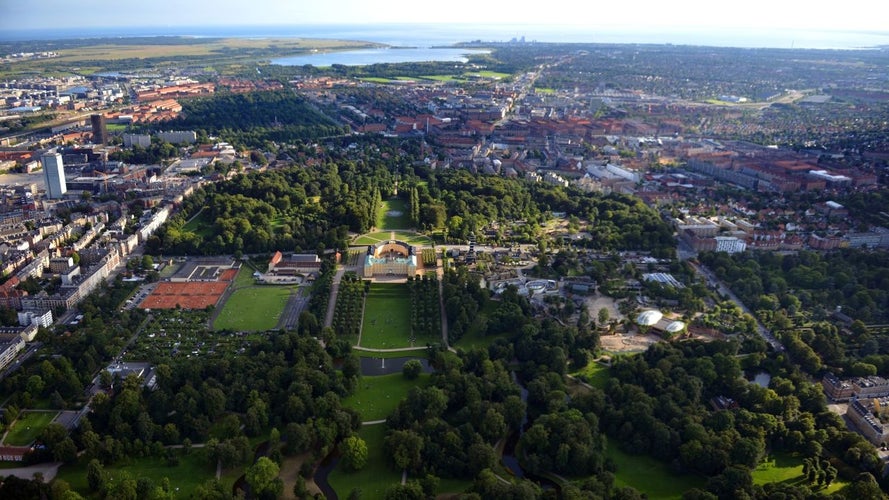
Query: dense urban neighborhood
[(546, 271)]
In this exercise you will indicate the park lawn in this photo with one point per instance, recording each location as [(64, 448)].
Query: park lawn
[(192, 471), (545, 90), (28, 426), (373, 238), (412, 238), (375, 398), (418, 351), (375, 477), (650, 476), (253, 309), (393, 214), (200, 224), (788, 469), (387, 318), (595, 374)]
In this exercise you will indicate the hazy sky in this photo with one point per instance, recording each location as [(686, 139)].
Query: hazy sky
[(858, 15)]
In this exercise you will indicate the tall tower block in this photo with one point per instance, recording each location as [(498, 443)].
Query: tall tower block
[(54, 174), (100, 131)]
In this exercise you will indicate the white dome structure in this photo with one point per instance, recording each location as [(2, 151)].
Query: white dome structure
[(649, 318), (675, 327)]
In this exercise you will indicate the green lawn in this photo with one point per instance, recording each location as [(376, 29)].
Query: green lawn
[(375, 398), (419, 351), (373, 238), (405, 236), (788, 469), (244, 277), (650, 476), (375, 477), (200, 224), (595, 374), (253, 309), (192, 470), (393, 215), (28, 426), (387, 318)]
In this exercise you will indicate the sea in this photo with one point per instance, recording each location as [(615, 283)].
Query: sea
[(416, 40), (428, 35)]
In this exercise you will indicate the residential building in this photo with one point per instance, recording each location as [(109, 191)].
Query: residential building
[(730, 244)]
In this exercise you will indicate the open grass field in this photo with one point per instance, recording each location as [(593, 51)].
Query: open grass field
[(376, 475), (788, 469), (380, 236), (387, 319), (595, 374), (376, 397), (650, 476), (28, 426), (393, 215), (193, 469), (417, 351), (200, 224), (373, 238), (253, 309)]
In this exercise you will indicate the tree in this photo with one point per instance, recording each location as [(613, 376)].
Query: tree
[(412, 369), (604, 316), (95, 475), (354, 451), (261, 476)]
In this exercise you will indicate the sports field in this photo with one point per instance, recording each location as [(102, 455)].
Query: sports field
[(191, 295), (387, 318), (256, 308)]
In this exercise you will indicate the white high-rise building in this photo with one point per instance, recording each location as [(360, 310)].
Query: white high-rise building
[(54, 174)]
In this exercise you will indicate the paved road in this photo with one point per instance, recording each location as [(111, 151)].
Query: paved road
[(49, 471), (29, 351), (334, 291)]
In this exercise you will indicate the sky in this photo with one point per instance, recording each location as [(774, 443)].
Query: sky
[(852, 15)]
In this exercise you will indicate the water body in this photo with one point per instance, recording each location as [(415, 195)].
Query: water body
[(762, 379), (430, 35), (363, 57)]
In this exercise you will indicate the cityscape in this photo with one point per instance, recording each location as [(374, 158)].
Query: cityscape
[(508, 266)]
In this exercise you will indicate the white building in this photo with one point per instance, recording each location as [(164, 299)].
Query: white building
[(178, 136), (43, 319), (730, 244), (54, 174), (129, 140)]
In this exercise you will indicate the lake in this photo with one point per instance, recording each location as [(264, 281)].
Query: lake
[(363, 57)]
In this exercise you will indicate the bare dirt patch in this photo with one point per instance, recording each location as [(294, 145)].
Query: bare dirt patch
[(627, 342)]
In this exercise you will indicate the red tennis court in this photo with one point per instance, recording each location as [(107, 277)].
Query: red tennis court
[(191, 295)]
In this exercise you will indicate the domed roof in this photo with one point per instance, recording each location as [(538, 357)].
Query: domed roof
[(649, 318), (676, 326)]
